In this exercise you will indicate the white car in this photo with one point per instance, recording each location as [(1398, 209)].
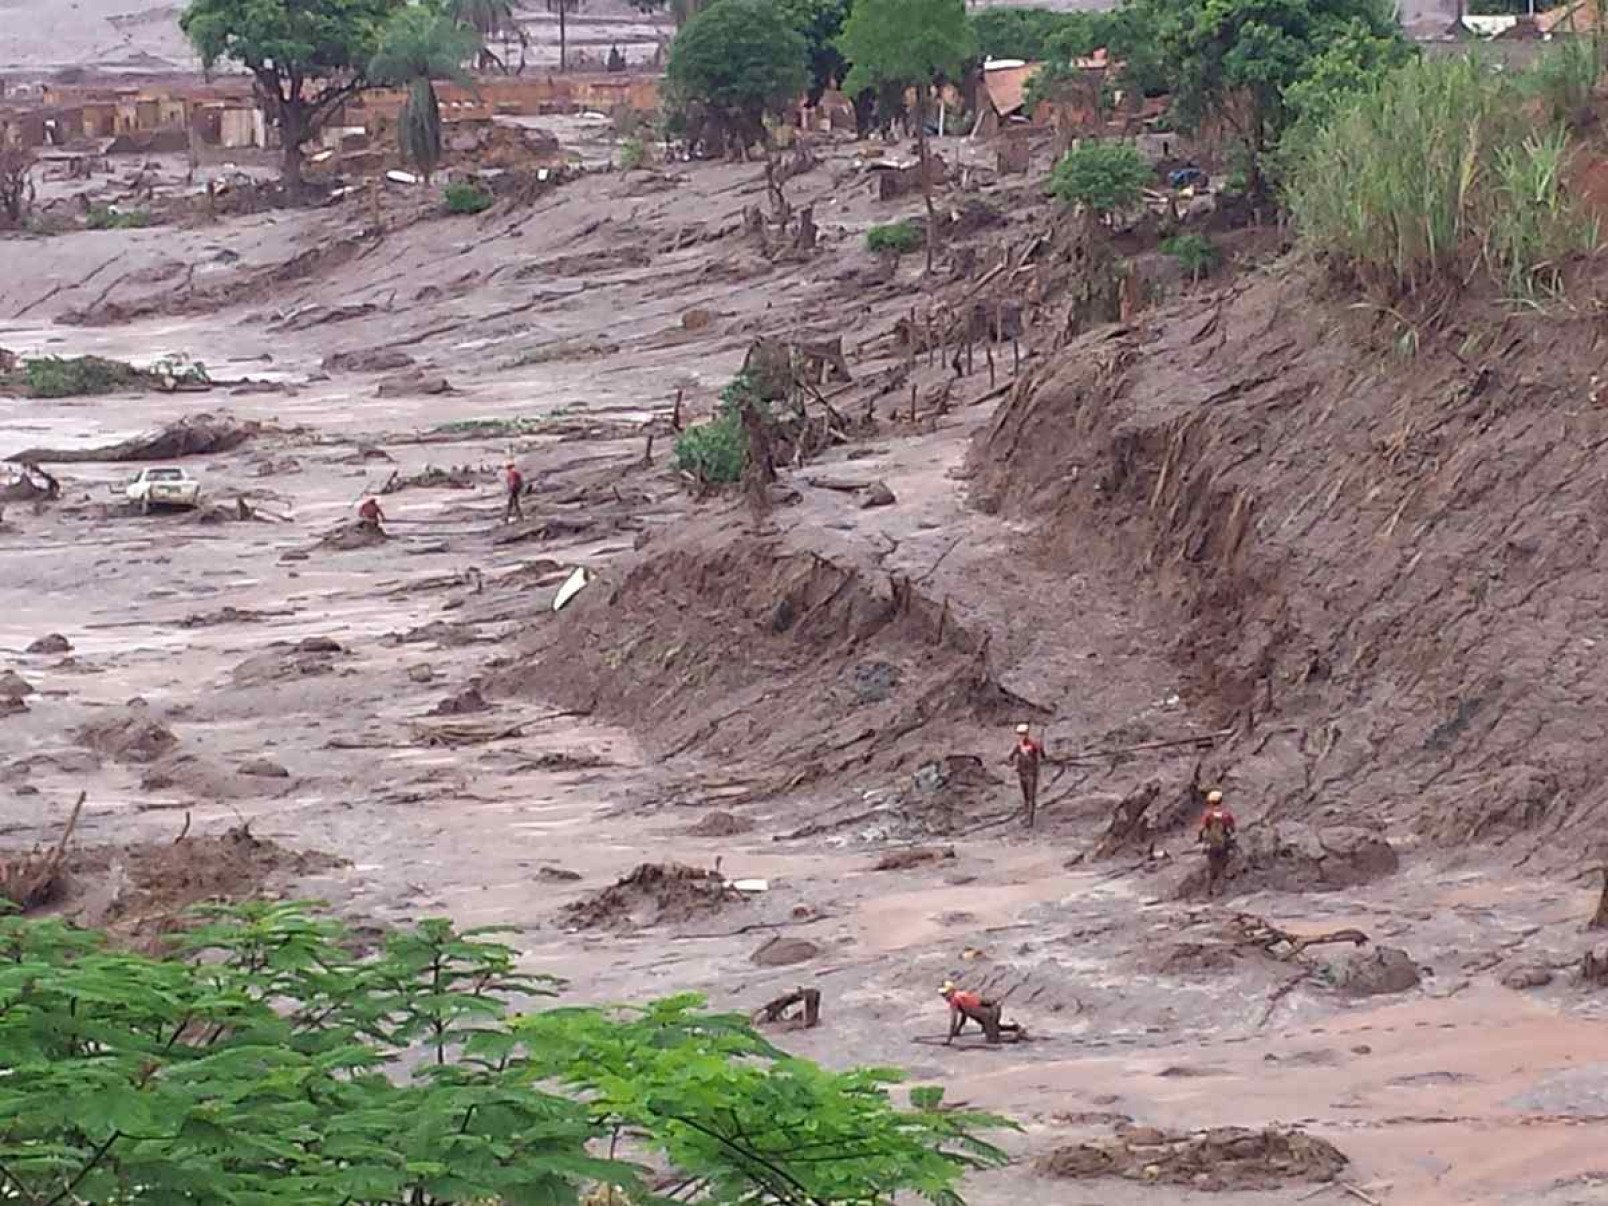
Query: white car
[(163, 488)]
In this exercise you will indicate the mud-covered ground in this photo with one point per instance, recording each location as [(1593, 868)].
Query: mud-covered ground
[(795, 694)]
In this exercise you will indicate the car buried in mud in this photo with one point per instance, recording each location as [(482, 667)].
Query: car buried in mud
[(162, 487)]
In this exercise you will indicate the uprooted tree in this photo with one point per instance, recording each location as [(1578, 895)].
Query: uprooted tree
[(16, 185), (267, 1063), (305, 59), (913, 44)]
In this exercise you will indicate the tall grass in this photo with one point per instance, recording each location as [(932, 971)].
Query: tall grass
[(1441, 173)]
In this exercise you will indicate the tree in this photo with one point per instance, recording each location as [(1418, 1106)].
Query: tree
[(732, 65), (1101, 177), (306, 59), (914, 44), (820, 22), (563, 8), (1233, 60), (16, 185), (268, 1064), (491, 20), (418, 47)]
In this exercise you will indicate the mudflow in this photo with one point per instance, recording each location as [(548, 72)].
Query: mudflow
[(1239, 541)]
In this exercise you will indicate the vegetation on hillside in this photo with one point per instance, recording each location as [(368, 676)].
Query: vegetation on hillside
[(734, 64), (1443, 172), (269, 1064)]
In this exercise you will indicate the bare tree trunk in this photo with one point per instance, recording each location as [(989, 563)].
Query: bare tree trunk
[(1600, 920), (563, 36), (293, 135), (926, 171)]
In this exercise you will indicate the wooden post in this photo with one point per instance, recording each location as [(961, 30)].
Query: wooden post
[(968, 350), (1016, 356), (912, 401), (989, 349)]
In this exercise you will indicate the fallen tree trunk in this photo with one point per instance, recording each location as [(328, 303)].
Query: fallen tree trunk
[(35, 879)]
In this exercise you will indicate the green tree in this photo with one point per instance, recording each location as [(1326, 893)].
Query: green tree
[(732, 65), (821, 23), (1101, 177), (908, 43), (269, 1065), (418, 47), (306, 59), (1009, 32), (1234, 60)]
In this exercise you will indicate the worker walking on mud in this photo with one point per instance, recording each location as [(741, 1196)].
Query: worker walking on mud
[(970, 1007), (1027, 754), (1217, 834), (369, 515), (514, 483)]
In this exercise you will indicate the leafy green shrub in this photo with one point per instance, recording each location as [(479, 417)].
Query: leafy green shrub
[(464, 198), (1195, 253), (1103, 176), (1437, 174), (106, 217), (633, 154), (269, 1064), (74, 376), (1562, 79), (900, 237), (715, 452)]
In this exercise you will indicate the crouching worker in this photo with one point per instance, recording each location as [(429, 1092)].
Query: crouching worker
[(968, 1006)]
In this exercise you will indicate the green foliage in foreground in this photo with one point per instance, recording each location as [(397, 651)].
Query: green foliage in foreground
[(270, 1065), (1103, 176), (1196, 254), (899, 237), (76, 376), (464, 198), (1438, 175), (714, 453)]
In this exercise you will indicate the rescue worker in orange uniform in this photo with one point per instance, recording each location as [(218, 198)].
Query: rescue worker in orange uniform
[(1026, 755), (1217, 833), (968, 1006)]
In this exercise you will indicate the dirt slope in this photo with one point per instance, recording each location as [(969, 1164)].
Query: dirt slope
[(1383, 547)]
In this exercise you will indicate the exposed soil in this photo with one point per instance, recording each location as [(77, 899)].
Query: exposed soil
[(1225, 1158), (1235, 542)]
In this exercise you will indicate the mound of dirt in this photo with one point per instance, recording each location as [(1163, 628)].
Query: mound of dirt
[(720, 824), (1298, 858), (465, 703), (52, 643), (433, 477), (194, 435), (14, 686), (141, 892), (352, 535), (913, 856), (1376, 556), (654, 893), (367, 360), (130, 735), (1225, 1158), (282, 661)]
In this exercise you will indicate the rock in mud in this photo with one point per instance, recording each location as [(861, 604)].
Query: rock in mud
[(406, 384), (720, 824), (14, 686), (1383, 970), (319, 644), (264, 768), (368, 360), (421, 673), (465, 703), (557, 875), (784, 952), (315, 655), (1225, 1158), (53, 643), (132, 735), (877, 494), (1299, 858), (352, 535), (1521, 978)]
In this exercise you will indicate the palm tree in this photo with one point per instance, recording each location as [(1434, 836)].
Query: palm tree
[(562, 8), (418, 47), (491, 19)]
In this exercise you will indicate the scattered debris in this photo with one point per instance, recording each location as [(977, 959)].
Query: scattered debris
[(409, 384), (1224, 1158), (1533, 976), (572, 587), (913, 856), (559, 875), (464, 703), (367, 360), (1594, 968), (354, 534), (651, 894), (808, 1016), (35, 879), (877, 495), (132, 735)]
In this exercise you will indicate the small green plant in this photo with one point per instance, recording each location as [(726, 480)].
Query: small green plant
[(633, 154), (715, 452), (1196, 254), (464, 198), (897, 238), (109, 217), (1102, 177), (76, 376)]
